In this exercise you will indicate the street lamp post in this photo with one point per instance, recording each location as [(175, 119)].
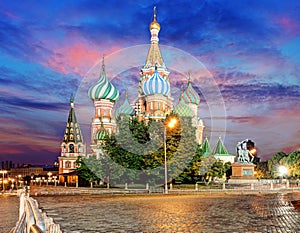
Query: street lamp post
[(171, 125), (3, 172), (49, 177), (165, 153)]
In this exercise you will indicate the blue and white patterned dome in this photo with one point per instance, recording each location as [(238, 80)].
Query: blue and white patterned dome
[(156, 85)]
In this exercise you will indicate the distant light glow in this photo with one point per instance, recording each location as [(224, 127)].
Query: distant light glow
[(172, 123), (253, 151), (282, 170)]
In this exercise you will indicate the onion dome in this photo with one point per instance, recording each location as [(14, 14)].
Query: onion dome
[(154, 24), (125, 108), (190, 95), (103, 89), (156, 85), (101, 133), (183, 110)]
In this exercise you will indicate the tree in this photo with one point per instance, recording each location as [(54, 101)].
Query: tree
[(84, 169), (292, 161), (191, 172), (181, 146), (262, 170), (274, 162)]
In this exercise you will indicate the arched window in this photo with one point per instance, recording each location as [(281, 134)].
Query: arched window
[(71, 148), (68, 164)]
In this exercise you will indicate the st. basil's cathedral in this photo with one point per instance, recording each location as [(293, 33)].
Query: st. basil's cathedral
[(154, 102)]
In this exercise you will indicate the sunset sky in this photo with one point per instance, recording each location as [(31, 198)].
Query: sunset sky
[(250, 51)]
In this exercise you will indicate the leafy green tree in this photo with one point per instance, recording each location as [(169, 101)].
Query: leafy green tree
[(84, 169), (275, 162), (205, 166), (292, 161), (191, 172), (262, 170), (181, 146), (136, 152)]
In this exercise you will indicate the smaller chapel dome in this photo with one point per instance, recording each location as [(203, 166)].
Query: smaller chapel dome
[(156, 85), (183, 110), (190, 95), (101, 134), (125, 108), (103, 89)]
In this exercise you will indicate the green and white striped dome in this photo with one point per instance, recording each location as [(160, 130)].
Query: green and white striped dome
[(103, 89), (183, 110), (190, 95), (101, 133), (125, 108)]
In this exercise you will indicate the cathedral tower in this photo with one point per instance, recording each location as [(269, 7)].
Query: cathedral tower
[(192, 99), (104, 95), (154, 101)]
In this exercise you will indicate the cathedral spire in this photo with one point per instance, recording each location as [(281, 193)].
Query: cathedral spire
[(103, 65), (154, 56), (154, 24), (72, 132), (72, 100)]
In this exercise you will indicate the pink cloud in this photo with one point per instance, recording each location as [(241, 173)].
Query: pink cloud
[(77, 58), (288, 24)]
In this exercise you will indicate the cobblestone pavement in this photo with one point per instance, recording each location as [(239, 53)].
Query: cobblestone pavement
[(9, 210), (174, 213)]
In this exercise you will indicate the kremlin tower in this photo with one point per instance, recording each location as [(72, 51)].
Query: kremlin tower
[(192, 100), (71, 147)]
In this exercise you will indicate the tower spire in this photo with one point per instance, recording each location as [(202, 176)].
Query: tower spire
[(103, 64), (72, 100), (154, 56)]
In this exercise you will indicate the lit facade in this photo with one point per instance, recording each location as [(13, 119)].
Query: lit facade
[(71, 147)]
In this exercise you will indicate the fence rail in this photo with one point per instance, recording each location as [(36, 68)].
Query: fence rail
[(32, 219)]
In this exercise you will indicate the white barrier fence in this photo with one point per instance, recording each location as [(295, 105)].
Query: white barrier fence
[(32, 219)]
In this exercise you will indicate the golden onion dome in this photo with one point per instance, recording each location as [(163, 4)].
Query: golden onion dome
[(154, 24)]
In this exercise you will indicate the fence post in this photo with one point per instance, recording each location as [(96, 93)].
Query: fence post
[(271, 188)]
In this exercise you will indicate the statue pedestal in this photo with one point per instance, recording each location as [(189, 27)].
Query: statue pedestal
[(242, 173)]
